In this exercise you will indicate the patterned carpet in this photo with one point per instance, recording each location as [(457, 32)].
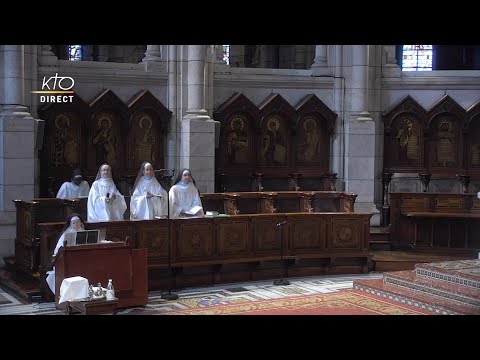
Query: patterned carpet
[(304, 296)]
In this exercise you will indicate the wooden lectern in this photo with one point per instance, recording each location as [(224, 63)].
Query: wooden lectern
[(127, 268)]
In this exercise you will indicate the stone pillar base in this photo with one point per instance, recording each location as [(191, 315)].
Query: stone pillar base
[(364, 207), (197, 153)]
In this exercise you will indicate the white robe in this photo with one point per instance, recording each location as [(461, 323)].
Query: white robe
[(51, 274), (98, 209), (69, 190), (142, 207), (183, 199)]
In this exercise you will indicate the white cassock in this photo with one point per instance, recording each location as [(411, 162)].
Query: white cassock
[(184, 198), (51, 274), (98, 208), (69, 190), (142, 207)]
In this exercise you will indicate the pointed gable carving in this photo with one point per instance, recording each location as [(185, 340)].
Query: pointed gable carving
[(148, 121), (107, 126), (237, 117)]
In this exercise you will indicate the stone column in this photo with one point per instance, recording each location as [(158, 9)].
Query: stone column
[(197, 137), (153, 53), (390, 68), (102, 53), (153, 59), (320, 64), (360, 137), (300, 52), (47, 57), (196, 82), (17, 156)]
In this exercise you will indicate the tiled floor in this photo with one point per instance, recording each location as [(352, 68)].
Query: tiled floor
[(217, 295)]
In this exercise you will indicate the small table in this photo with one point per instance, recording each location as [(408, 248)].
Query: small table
[(93, 307)]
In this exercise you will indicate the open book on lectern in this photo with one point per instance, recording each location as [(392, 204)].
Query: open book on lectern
[(84, 237)]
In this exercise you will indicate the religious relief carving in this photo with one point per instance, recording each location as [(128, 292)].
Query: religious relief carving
[(105, 141), (344, 236), (293, 181), (231, 205), (464, 182), (268, 204), (407, 137), (65, 148), (144, 140), (308, 147), (445, 144), (194, 242), (236, 142), (274, 143), (257, 183), (425, 179), (475, 154)]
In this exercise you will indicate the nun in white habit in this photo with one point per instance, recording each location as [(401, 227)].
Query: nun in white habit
[(75, 188), (73, 224), (149, 199), (105, 202), (184, 196)]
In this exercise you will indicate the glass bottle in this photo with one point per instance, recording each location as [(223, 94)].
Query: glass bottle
[(110, 287)]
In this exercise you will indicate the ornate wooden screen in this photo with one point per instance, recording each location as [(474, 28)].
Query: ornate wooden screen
[(106, 131), (273, 146)]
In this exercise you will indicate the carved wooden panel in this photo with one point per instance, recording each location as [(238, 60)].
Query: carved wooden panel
[(63, 143), (345, 234), (107, 125), (311, 143), (314, 125), (415, 202), (148, 125), (449, 203), (237, 140), (153, 237), (194, 239), (307, 234), (233, 237), (275, 140), (236, 152), (444, 145), (404, 126), (473, 150), (116, 231), (265, 233), (406, 149), (145, 143), (273, 144)]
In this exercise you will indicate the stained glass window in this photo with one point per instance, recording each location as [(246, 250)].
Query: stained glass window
[(417, 57), (226, 53), (75, 52)]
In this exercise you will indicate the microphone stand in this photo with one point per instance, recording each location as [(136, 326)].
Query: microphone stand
[(170, 295), (282, 281)]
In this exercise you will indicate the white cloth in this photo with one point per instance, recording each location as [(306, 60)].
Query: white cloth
[(478, 195), (184, 199), (142, 207), (73, 288), (69, 190), (101, 209), (51, 274)]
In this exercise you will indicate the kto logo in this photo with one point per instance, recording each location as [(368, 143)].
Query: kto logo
[(57, 88)]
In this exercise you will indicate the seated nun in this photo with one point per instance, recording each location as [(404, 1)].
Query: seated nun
[(75, 188), (185, 197), (105, 202), (149, 199), (73, 224)]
